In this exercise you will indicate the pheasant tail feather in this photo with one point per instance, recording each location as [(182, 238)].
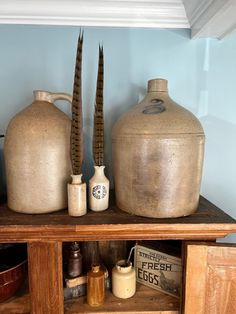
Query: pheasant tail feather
[(98, 131), (77, 117)]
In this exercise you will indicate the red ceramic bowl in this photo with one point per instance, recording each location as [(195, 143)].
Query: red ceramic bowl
[(13, 266)]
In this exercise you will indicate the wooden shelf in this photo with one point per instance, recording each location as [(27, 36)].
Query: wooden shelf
[(209, 222), (19, 303), (158, 302), (16, 305), (45, 234)]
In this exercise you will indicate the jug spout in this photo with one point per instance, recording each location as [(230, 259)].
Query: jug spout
[(41, 95)]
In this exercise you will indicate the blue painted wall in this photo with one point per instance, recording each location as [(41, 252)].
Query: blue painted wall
[(219, 122), (201, 75)]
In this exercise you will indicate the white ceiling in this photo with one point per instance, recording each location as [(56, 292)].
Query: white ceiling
[(206, 18)]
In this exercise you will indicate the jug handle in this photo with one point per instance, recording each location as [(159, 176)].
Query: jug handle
[(51, 97), (61, 96)]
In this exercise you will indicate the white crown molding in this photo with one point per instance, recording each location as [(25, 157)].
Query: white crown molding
[(211, 18), (207, 18), (117, 13)]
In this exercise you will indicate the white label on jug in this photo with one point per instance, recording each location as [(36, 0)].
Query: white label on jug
[(99, 191)]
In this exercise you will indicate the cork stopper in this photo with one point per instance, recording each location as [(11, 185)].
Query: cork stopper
[(75, 246), (95, 268), (157, 85)]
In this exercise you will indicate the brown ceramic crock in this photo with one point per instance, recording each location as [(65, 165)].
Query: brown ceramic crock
[(13, 269)]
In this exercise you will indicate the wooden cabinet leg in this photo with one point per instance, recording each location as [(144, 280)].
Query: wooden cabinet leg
[(45, 277)]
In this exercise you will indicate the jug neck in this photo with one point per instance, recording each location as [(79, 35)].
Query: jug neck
[(99, 170), (124, 266), (40, 95), (95, 268), (158, 85), (76, 178)]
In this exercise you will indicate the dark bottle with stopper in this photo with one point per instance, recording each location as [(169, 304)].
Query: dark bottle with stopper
[(74, 261)]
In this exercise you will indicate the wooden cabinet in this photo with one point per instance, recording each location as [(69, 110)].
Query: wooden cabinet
[(208, 268), (210, 285)]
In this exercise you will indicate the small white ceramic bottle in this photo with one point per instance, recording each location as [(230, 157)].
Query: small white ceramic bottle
[(77, 203), (99, 190), (123, 280)]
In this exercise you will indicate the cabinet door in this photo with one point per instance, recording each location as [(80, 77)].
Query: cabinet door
[(210, 279)]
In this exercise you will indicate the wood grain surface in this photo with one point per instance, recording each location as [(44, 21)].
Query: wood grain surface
[(145, 301), (44, 234), (210, 279), (45, 277), (208, 222)]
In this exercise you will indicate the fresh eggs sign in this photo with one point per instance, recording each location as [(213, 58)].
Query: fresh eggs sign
[(158, 270)]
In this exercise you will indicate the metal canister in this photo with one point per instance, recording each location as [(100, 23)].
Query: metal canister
[(157, 155), (74, 260)]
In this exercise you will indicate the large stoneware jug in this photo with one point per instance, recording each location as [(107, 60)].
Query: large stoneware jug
[(158, 151), (37, 156)]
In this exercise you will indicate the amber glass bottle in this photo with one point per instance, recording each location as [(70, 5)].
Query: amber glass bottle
[(96, 286)]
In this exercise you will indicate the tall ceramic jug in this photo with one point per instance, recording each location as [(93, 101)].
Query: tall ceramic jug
[(37, 156), (158, 151)]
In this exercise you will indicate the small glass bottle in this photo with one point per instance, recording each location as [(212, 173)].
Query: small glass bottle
[(123, 280), (74, 260), (96, 286)]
